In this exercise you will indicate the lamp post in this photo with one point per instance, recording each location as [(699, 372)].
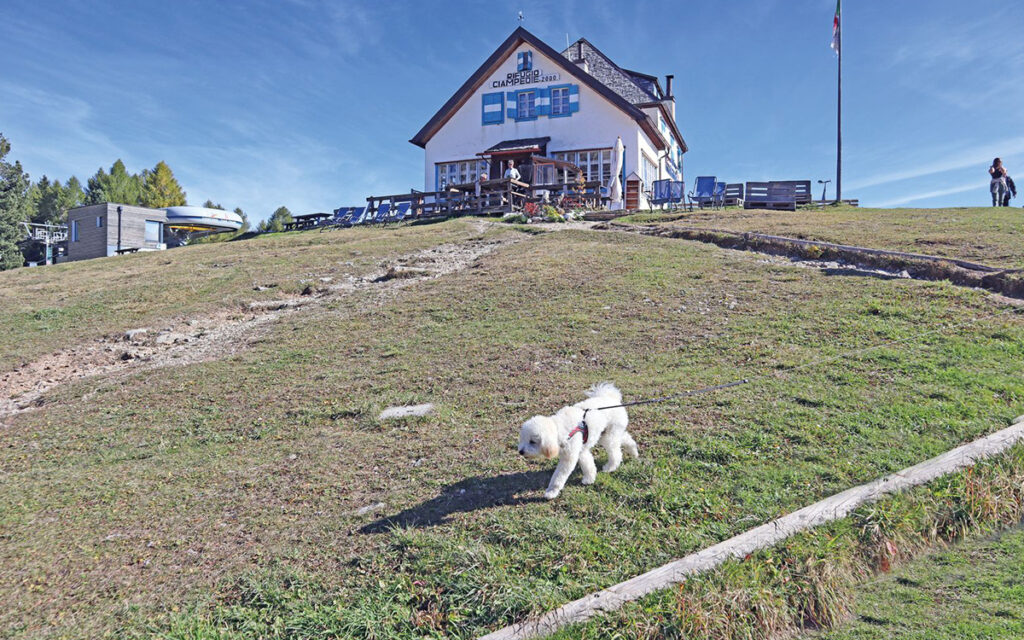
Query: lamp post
[(118, 229), (823, 188)]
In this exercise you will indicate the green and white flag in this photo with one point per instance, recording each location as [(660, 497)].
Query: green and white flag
[(835, 28)]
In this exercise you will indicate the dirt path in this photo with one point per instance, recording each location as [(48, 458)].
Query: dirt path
[(225, 332)]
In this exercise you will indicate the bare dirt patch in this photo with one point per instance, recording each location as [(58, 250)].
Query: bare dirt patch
[(220, 334)]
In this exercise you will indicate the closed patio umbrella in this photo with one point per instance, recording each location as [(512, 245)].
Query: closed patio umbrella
[(615, 188)]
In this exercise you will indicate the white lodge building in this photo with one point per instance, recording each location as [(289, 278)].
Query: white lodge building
[(529, 100)]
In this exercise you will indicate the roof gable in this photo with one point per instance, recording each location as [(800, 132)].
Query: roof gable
[(600, 66), (518, 37)]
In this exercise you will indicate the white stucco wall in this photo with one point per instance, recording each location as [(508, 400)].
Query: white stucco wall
[(594, 126)]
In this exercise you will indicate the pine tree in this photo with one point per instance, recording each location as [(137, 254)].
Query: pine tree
[(161, 189), (117, 186), (95, 188), (245, 221), (277, 219), (55, 200), (15, 207)]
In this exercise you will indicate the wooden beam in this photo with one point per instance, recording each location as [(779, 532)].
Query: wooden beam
[(762, 537)]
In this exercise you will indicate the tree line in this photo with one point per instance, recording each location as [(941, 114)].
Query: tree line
[(48, 201)]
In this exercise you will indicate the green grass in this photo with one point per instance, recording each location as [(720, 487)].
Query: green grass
[(824, 577), (42, 310), (218, 499), (989, 235), (971, 591)]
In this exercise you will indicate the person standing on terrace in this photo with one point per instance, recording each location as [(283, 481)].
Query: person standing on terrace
[(998, 184), (512, 172)]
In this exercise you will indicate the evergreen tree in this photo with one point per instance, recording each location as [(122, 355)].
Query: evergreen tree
[(117, 186), (95, 188), (161, 189), (73, 194), (210, 205), (276, 220), (245, 221), (15, 207), (55, 200)]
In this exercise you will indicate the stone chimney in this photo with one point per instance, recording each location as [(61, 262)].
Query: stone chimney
[(668, 98)]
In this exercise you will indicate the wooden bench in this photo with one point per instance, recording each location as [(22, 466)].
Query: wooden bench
[(802, 189), (770, 195), (733, 195)]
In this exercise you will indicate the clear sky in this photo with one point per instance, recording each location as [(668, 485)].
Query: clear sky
[(311, 104)]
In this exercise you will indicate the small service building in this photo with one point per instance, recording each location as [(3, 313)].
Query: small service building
[(107, 229), (528, 100)]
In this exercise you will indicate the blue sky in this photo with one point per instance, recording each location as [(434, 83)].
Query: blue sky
[(311, 104)]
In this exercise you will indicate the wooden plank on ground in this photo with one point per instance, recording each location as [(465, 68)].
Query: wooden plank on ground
[(762, 537)]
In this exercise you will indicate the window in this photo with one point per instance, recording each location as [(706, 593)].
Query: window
[(449, 173), (154, 231), (560, 101), (596, 164), (99, 221), (526, 105), (74, 231), (648, 171)]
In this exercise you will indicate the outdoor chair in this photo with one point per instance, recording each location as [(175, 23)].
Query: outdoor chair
[(342, 216), (719, 195), (661, 192), (401, 211), (383, 209), (703, 191), (358, 213)]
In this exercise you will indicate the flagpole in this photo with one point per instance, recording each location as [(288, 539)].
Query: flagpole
[(839, 115)]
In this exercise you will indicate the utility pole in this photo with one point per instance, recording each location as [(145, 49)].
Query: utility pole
[(839, 113)]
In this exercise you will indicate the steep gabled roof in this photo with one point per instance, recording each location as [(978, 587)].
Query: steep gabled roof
[(608, 73), (520, 36)]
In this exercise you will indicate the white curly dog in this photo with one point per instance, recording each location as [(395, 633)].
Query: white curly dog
[(571, 433)]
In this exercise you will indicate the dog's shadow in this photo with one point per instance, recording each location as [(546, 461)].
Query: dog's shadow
[(471, 494)]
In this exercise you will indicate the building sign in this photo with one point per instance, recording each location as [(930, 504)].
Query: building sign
[(524, 74)]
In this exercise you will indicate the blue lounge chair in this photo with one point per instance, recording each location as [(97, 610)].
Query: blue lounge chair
[(382, 213), (343, 215), (719, 195), (661, 192), (677, 191), (401, 211), (704, 191), (358, 213)]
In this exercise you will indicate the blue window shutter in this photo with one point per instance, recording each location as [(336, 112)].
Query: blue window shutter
[(513, 104), (493, 108), (544, 101), (574, 98)]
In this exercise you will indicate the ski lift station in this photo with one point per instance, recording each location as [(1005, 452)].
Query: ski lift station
[(109, 229)]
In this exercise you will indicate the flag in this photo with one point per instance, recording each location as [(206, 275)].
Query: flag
[(835, 28)]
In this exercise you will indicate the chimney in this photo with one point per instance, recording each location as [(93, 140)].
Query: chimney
[(668, 86)]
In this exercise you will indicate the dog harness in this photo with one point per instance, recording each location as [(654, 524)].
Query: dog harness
[(580, 428)]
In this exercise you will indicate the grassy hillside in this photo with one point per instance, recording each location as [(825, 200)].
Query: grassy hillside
[(973, 590), (988, 235), (255, 493)]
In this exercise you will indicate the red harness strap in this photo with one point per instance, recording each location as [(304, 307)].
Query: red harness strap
[(580, 428)]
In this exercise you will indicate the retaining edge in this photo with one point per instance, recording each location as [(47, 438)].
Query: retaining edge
[(832, 508)]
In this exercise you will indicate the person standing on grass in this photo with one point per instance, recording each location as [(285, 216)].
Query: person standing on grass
[(998, 184), (1011, 191)]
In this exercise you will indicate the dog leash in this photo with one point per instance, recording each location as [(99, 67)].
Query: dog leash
[(585, 430)]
